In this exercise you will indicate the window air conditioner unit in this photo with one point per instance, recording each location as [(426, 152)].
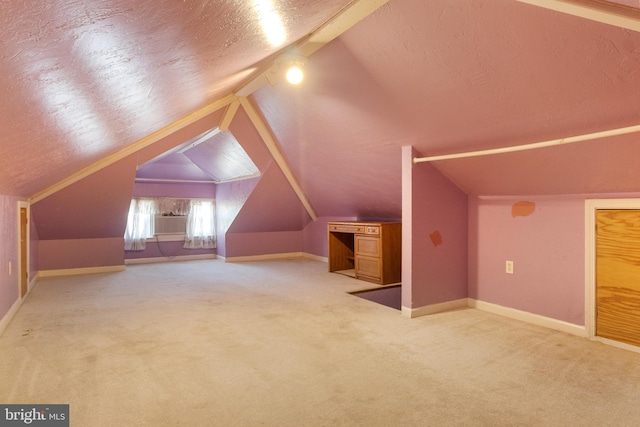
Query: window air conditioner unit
[(170, 224)]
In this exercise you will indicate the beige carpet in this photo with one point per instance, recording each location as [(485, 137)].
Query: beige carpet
[(282, 343)]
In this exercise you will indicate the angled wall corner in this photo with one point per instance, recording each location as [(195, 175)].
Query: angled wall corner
[(434, 238)]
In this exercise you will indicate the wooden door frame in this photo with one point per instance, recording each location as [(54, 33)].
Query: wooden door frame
[(27, 206), (591, 207)]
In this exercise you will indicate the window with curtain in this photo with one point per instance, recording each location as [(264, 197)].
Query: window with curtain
[(200, 233), (144, 212), (139, 224)]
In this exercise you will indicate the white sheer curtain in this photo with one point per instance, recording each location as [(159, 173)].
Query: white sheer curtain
[(170, 206), (139, 224), (200, 225)]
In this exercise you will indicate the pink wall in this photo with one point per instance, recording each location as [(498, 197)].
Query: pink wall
[(257, 206), (8, 252), (94, 207), (230, 198), (166, 249), (434, 234), (80, 253), (249, 244), (271, 206), (546, 243), (175, 190), (314, 235)]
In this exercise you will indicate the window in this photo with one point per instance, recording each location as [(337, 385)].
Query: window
[(200, 226), (191, 220), (139, 224)]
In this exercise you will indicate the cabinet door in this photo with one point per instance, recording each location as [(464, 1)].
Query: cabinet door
[(369, 246), (368, 268), (368, 261)]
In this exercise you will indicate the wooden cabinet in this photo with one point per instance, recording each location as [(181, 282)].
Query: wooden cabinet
[(368, 251)]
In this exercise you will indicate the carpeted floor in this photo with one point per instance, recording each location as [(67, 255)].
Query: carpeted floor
[(282, 343)]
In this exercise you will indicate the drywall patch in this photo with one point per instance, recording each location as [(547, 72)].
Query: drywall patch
[(522, 208), (436, 238)]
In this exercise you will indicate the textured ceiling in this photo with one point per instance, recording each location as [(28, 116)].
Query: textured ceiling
[(450, 76), (84, 79)]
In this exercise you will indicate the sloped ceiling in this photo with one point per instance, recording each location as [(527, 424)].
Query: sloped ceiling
[(455, 76), (84, 79)]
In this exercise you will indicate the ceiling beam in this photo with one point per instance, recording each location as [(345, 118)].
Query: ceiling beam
[(274, 148), (228, 116), (133, 148), (595, 10), (344, 19)]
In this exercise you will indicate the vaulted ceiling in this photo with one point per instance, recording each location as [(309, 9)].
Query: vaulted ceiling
[(85, 79)]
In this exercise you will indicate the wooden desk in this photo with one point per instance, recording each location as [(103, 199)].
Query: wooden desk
[(368, 251)]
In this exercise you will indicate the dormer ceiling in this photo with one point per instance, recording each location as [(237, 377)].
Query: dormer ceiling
[(82, 80), (214, 157)]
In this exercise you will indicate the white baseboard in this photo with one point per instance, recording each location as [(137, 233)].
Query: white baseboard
[(79, 271), (435, 308), (132, 261), (12, 312), (618, 344), (315, 257), (524, 316), (275, 256), (32, 282), (511, 313)]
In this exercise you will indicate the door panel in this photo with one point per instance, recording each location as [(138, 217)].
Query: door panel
[(618, 275)]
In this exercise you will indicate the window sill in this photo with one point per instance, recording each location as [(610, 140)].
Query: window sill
[(178, 237)]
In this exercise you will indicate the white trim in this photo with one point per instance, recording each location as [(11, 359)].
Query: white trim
[(175, 181), (618, 344), (6, 319), (202, 138), (609, 13), (267, 257), (346, 18), (80, 271), (527, 317), (166, 237), (590, 208), (533, 146), (228, 116), (315, 257), (135, 147), (435, 308), (33, 281), (132, 261), (273, 146)]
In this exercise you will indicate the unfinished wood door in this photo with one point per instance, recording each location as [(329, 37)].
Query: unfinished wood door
[(24, 269), (618, 275)]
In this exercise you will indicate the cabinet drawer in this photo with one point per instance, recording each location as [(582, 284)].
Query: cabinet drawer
[(368, 268), (346, 228), (365, 245), (372, 229)]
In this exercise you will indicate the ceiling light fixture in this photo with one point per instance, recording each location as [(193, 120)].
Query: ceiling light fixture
[(295, 75), (292, 66)]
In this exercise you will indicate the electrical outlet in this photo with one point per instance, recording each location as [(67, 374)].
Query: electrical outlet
[(509, 267), (10, 267)]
